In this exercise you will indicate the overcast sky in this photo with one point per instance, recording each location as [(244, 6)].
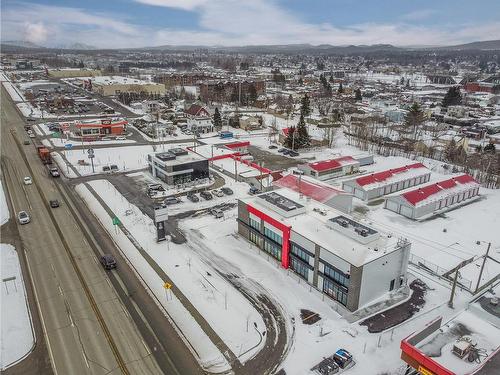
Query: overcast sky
[(139, 23)]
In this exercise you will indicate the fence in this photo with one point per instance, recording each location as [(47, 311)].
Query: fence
[(439, 271)]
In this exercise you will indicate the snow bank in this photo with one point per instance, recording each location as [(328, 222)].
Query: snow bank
[(4, 208), (17, 337)]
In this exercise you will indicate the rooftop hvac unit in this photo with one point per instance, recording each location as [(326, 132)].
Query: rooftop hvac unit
[(462, 346), (361, 231), (343, 223)]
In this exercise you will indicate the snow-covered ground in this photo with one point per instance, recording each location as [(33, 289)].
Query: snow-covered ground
[(311, 342), (226, 310), (4, 208), (127, 158), (16, 328), (13, 91)]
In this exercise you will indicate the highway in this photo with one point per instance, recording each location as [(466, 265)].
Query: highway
[(93, 321)]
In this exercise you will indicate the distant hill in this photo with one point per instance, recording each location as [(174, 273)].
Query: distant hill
[(76, 46), (20, 43), (282, 48), (485, 45)]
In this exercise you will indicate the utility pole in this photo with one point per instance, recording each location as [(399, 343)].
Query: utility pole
[(450, 302), (482, 268)]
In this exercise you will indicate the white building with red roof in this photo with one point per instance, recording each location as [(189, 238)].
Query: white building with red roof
[(331, 168), (378, 184), (435, 198), (318, 191)]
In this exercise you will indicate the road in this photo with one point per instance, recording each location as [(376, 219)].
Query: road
[(91, 320)]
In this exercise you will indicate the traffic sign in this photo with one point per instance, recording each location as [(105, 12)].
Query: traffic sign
[(167, 285), (90, 151), (68, 146), (116, 221)]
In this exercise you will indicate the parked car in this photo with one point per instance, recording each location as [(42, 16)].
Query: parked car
[(192, 197), (108, 261), (31, 135), (281, 150), (171, 200), (30, 119), (227, 191), (293, 153), (26, 142), (23, 217), (54, 203), (217, 213), (206, 195), (121, 138), (272, 147), (217, 193), (27, 180), (253, 190)]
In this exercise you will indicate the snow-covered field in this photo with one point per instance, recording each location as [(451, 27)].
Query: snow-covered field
[(16, 327), (4, 208), (127, 158)]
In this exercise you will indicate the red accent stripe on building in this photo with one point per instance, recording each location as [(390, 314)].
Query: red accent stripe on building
[(424, 360), (237, 144), (285, 230)]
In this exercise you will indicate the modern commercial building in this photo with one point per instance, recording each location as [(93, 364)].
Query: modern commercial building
[(438, 197), (114, 85), (350, 262), (102, 127), (178, 166), (317, 190), (331, 168), (378, 184)]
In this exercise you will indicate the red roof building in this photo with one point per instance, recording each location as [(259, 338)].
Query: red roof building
[(331, 168), (317, 191), (438, 197), (378, 184)]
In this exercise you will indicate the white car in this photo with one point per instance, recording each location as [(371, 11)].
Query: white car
[(23, 217), (27, 180), (32, 135), (121, 138)]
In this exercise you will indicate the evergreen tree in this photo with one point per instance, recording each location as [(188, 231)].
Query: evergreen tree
[(414, 119), (490, 147), (452, 97), (289, 141), (302, 138), (305, 109), (341, 88), (357, 95), (217, 119)]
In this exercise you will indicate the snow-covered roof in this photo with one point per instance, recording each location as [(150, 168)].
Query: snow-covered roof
[(378, 179), (313, 221), (310, 188), (325, 165), (439, 190)]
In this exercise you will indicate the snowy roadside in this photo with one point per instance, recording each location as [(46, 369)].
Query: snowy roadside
[(230, 315), (17, 335), (4, 208), (201, 346)]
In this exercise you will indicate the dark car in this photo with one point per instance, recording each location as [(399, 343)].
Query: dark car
[(206, 195), (108, 261), (227, 191), (272, 147), (281, 150), (253, 190), (54, 203), (293, 153), (26, 142), (192, 197)]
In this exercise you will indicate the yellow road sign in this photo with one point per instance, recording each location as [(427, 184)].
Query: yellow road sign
[(424, 371), (167, 286)]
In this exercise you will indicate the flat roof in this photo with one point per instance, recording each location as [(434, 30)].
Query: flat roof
[(119, 80), (314, 222), (170, 158)]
